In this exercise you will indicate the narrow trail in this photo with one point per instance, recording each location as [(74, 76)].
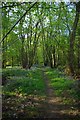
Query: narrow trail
[(54, 107), (46, 105)]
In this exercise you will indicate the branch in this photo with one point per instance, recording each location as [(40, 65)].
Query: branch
[(16, 23)]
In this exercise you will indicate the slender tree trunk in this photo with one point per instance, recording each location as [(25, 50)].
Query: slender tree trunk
[(79, 54), (22, 54), (51, 62), (12, 62), (54, 57), (3, 58)]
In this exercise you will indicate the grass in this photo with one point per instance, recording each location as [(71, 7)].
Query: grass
[(23, 93), (63, 86), (14, 72), (23, 82)]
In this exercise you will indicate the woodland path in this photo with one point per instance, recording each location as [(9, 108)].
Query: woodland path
[(54, 108), (47, 106)]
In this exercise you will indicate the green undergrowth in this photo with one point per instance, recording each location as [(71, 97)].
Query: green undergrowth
[(25, 82), (64, 86), (23, 93), (14, 72)]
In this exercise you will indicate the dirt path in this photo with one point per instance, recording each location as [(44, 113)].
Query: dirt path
[(43, 106), (54, 107)]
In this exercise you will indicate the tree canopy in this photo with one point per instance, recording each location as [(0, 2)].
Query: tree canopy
[(44, 33)]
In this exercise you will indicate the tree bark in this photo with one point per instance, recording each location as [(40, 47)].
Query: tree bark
[(72, 39), (79, 54)]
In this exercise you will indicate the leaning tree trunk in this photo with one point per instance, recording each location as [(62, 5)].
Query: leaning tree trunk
[(72, 39)]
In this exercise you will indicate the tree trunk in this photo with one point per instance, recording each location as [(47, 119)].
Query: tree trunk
[(72, 39), (3, 57), (79, 55), (12, 62), (54, 57)]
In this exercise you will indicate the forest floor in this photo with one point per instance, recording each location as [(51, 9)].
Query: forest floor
[(55, 107), (43, 94)]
